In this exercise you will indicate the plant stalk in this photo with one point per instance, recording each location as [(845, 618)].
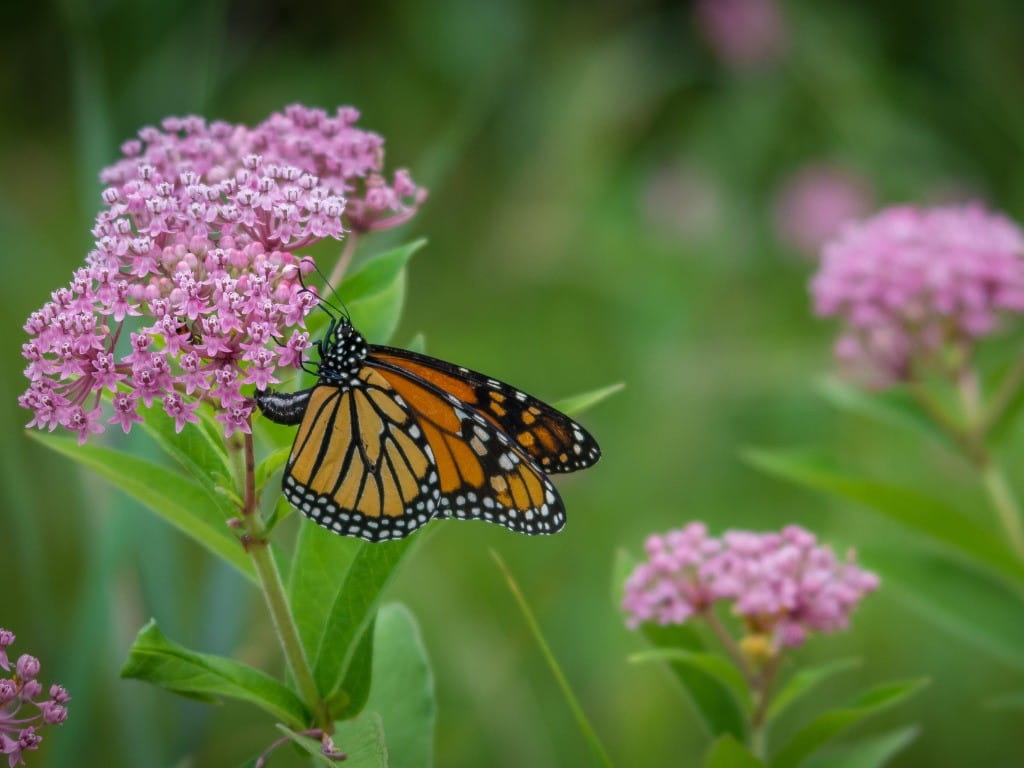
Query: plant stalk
[(258, 547), (344, 260)]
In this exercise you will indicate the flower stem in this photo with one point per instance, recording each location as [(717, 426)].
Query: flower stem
[(731, 648), (344, 260), (1005, 503), (258, 547), (763, 697)]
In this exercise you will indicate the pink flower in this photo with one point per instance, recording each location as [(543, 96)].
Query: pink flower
[(197, 247), (815, 203), (911, 283), (782, 584), (743, 33), (22, 714)]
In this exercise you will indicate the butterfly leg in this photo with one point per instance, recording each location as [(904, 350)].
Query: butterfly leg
[(283, 407)]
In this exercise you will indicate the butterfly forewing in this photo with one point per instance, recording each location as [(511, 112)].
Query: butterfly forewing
[(551, 439)]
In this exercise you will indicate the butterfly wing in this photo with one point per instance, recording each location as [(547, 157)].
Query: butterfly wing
[(360, 465), (552, 440), (481, 473)]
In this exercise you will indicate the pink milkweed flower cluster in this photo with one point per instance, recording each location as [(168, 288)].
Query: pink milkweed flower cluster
[(23, 710), (744, 34), (782, 584), (815, 202), (912, 285), (193, 288)]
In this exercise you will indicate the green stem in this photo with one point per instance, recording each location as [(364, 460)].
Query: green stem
[(1005, 503), (759, 720), (1009, 388), (731, 648), (344, 260), (258, 547)]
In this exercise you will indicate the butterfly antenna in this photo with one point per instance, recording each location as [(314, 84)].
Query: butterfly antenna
[(327, 283), (325, 305)]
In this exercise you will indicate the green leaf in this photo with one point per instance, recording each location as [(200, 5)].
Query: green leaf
[(801, 683), (917, 511), (266, 468), (1014, 701), (174, 497), (351, 696), (895, 407), (164, 663), (352, 609), (309, 745), (375, 292), (576, 404), (709, 663), (964, 601), (726, 752), (363, 742), (403, 688), (867, 753), (827, 726), (417, 343), (718, 708)]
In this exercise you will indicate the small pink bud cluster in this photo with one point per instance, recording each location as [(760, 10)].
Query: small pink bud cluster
[(782, 584), (193, 289), (22, 712), (914, 286)]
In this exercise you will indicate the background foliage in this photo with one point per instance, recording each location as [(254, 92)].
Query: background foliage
[(540, 129)]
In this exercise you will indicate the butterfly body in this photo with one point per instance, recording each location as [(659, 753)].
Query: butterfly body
[(389, 439)]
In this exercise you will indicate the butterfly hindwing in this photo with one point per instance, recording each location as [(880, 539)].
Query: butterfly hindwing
[(551, 439), (360, 466)]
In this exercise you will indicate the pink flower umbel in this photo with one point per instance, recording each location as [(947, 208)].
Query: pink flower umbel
[(193, 289), (744, 34), (783, 585), (919, 286), (23, 709), (815, 203)]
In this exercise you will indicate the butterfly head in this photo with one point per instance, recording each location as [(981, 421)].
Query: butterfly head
[(342, 350)]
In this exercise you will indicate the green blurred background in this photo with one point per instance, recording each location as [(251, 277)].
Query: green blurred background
[(604, 188)]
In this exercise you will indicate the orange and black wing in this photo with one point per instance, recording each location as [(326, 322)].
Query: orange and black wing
[(360, 465), (550, 439), (481, 472)]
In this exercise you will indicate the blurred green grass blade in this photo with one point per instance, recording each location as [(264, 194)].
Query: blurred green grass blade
[(964, 601), (363, 741), (403, 688), (581, 718), (718, 709), (157, 660), (941, 523), (829, 725), (417, 343), (726, 752), (1012, 701), (895, 407), (577, 404), (874, 752), (352, 608), (170, 494), (710, 664), (804, 681)]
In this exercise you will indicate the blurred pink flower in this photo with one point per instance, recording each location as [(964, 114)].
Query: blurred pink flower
[(195, 266), (910, 283), (743, 33), (23, 712), (783, 584), (815, 202)]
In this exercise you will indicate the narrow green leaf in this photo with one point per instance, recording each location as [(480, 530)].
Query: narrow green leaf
[(827, 726), (867, 753), (417, 343), (715, 666), (577, 404), (403, 688), (352, 609), (917, 511), (158, 660), (801, 683), (718, 709), (351, 696), (895, 407), (726, 752), (321, 562), (363, 742), (378, 272), (266, 468), (563, 683), (964, 601), (174, 497)]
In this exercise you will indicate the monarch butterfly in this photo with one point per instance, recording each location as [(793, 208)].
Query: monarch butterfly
[(389, 439)]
